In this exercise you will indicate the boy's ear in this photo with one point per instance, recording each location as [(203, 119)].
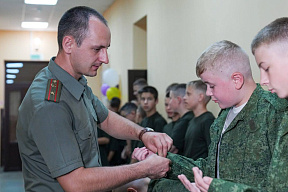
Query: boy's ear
[(67, 43), (201, 97), (238, 80), (179, 99)]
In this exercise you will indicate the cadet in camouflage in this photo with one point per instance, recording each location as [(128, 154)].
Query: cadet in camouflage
[(251, 153), (270, 50)]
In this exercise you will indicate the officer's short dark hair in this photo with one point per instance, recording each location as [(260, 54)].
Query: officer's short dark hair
[(75, 22)]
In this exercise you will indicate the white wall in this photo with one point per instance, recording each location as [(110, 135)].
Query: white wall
[(178, 32), (18, 45)]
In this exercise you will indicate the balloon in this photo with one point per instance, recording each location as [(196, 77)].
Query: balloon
[(104, 88), (113, 92), (110, 77)]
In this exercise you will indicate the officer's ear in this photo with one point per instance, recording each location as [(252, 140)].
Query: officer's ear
[(68, 43)]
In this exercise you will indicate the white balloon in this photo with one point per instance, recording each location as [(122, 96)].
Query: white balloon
[(110, 77)]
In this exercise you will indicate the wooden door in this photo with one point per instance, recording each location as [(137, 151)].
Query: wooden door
[(13, 97), (18, 80)]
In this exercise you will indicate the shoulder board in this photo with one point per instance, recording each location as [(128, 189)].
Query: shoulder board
[(53, 90)]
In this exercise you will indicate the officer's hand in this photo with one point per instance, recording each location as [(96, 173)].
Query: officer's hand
[(156, 166), (159, 143)]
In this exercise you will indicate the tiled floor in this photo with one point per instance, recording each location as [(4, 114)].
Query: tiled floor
[(11, 182)]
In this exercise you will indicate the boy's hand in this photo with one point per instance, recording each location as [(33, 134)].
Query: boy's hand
[(174, 150), (141, 153), (188, 185), (202, 183)]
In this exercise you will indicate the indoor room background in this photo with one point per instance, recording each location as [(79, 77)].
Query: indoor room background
[(165, 37)]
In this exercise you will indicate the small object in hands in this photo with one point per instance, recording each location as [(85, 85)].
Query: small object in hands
[(146, 129)]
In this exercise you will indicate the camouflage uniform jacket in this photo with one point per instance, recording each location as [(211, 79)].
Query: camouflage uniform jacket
[(253, 155)]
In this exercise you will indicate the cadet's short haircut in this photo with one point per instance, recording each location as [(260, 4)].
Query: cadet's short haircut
[(140, 82), (149, 89), (179, 90), (128, 107), (75, 22), (276, 31), (201, 87), (168, 89), (224, 58), (115, 102)]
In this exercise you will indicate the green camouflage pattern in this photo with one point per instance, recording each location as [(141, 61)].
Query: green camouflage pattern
[(166, 185), (253, 154)]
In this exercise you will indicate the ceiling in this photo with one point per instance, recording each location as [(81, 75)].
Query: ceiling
[(13, 12)]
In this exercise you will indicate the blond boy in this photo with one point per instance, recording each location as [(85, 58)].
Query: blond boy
[(243, 137)]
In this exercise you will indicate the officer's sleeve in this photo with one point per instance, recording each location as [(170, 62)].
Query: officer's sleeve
[(51, 129), (184, 165)]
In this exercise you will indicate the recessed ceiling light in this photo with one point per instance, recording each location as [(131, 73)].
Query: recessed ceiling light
[(41, 2), (14, 65), (34, 25), (9, 81), (10, 76), (13, 71)]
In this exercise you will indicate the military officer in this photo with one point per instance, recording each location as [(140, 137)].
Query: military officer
[(58, 118)]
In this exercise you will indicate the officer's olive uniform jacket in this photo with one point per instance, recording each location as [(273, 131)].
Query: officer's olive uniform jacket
[(59, 135), (253, 151)]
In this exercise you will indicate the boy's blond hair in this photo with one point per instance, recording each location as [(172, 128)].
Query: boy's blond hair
[(224, 58), (200, 87), (276, 31)]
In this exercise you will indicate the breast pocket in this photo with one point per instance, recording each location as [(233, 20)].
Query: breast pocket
[(85, 141), (84, 133)]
